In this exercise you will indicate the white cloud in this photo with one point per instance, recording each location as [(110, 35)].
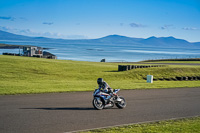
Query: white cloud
[(48, 23), (29, 32), (76, 37), (121, 24), (136, 25), (190, 28), (167, 27), (7, 18)]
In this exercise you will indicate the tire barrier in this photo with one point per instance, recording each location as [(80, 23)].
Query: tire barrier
[(130, 67), (184, 78)]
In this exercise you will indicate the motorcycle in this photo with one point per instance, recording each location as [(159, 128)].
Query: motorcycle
[(104, 100)]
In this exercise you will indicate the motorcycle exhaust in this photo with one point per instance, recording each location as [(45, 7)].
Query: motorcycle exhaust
[(108, 105)]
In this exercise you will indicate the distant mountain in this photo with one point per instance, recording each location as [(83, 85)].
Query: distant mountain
[(10, 36), (111, 39), (118, 39), (165, 41)]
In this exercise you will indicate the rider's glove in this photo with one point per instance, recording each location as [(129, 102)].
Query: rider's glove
[(111, 94)]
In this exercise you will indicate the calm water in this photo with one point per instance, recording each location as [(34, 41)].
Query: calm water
[(111, 52)]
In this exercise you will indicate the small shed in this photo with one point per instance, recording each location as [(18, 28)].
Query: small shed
[(103, 60), (49, 55)]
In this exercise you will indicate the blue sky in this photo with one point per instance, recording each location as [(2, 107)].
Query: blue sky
[(80, 19)]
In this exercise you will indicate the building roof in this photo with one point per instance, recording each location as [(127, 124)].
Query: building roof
[(48, 53)]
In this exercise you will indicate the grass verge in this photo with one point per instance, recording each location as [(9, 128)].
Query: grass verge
[(186, 125), (24, 75)]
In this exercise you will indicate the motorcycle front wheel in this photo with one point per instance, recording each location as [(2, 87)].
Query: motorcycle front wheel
[(97, 103), (122, 103)]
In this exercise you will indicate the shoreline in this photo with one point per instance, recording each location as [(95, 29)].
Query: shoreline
[(12, 46)]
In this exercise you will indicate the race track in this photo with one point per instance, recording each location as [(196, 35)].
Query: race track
[(65, 112)]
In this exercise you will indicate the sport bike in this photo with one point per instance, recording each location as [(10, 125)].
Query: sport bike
[(104, 100)]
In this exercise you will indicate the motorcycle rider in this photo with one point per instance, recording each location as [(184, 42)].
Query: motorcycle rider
[(106, 88)]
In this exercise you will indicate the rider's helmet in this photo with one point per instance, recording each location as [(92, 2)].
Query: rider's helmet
[(99, 81)]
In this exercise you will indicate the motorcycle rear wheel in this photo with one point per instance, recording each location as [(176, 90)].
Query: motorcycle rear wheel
[(98, 103), (122, 103)]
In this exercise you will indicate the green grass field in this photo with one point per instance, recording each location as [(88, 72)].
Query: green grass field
[(24, 75), (189, 125)]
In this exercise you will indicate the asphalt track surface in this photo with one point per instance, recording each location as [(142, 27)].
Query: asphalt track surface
[(66, 112)]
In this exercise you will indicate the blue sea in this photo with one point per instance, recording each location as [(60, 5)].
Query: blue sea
[(110, 52)]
